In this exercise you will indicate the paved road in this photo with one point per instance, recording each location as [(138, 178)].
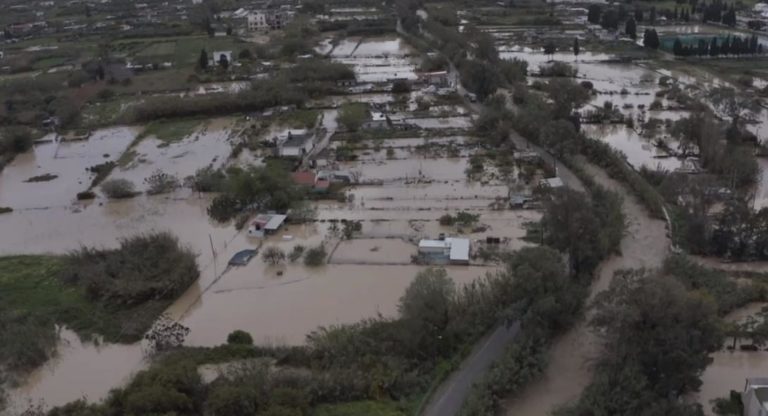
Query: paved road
[(449, 398)]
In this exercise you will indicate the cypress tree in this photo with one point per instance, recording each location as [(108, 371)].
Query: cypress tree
[(630, 28), (202, 61)]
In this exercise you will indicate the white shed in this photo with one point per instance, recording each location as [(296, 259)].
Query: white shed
[(459, 253)]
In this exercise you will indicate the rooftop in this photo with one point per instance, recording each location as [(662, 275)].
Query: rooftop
[(269, 222), (459, 249), (296, 141)]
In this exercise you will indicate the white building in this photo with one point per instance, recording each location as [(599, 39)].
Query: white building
[(216, 57), (257, 22), (755, 397), (455, 250), (297, 146), (266, 224)]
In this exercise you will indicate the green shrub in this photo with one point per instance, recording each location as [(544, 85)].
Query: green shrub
[(296, 253), (5, 210), (85, 195), (239, 337), (315, 256), (118, 189)]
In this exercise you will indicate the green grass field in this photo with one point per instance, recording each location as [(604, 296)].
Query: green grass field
[(158, 49), (170, 131), (32, 300), (29, 284), (183, 51)]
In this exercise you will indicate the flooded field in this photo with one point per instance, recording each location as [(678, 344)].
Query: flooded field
[(638, 150), (208, 146), (67, 161), (730, 369), (378, 59)]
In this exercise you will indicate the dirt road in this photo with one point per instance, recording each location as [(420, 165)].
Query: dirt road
[(569, 369)]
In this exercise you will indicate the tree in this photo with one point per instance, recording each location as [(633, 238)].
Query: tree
[(567, 96), (161, 183), (233, 399), (353, 115), (559, 137), (714, 49), (652, 17), (733, 104), (480, 78), (273, 255), (651, 39), (315, 256), (296, 253), (550, 49), (610, 20), (677, 47), (576, 48), (652, 322), (593, 14), (224, 61), (15, 140), (514, 70), (638, 15), (245, 54), (541, 290), (630, 28), (426, 308), (118, 189), (401, 86), (350, 228), (239, 337), (165, 334), (202, 61)]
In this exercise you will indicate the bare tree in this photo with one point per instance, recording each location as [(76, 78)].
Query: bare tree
[(273, 255), (165, 334)]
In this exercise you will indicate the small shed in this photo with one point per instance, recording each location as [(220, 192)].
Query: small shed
[(552, 183), (459, 251), (266, 224), (437, 78), (296, 146), (439, 247), (450, 250)]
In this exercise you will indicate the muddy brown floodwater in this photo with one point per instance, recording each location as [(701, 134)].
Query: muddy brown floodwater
[(67, 160), (569, 369), (730, 369)]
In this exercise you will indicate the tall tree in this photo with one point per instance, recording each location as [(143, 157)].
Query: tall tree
[(593, 14), (610, 20), (638, 15), (677, 47), (567, 96), (202, 61), (576, 48), (652, 17), (651, 39), (714, 48), (630, 28), (672, 331), (549, 49)]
